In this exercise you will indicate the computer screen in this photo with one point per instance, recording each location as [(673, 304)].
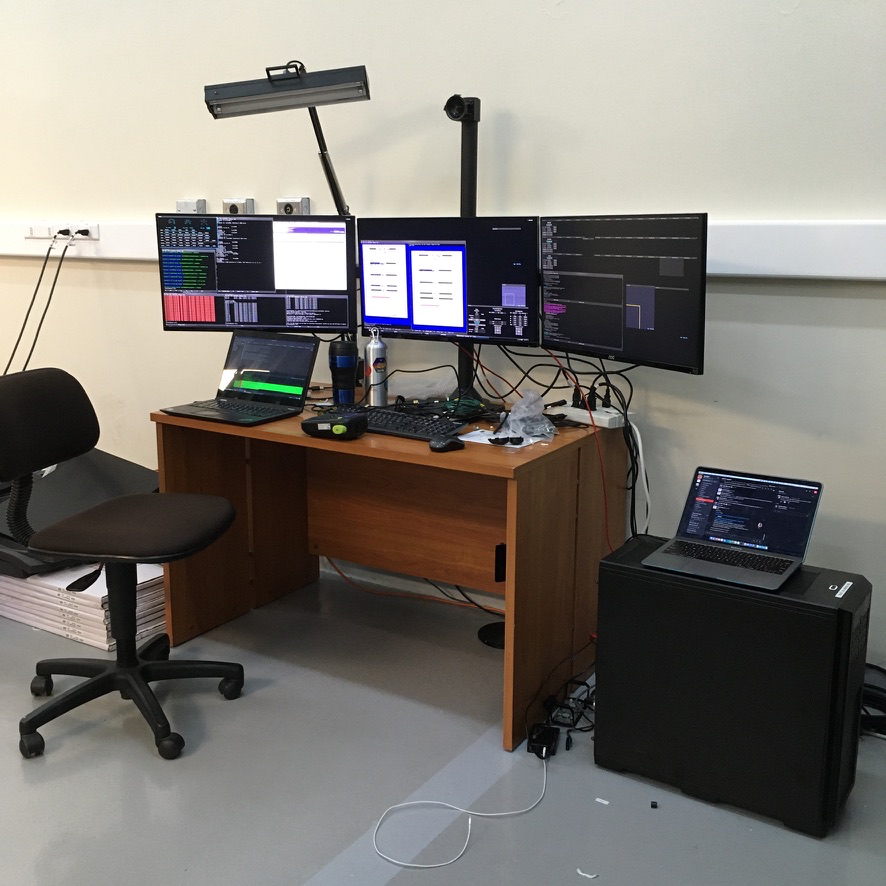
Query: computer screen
[(470, 279), (266, 272), (626, 287)]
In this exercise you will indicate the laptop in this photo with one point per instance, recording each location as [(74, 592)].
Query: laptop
[(265, 377), (747, 529)]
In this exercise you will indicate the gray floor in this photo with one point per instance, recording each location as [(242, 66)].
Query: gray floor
[(354, 703)]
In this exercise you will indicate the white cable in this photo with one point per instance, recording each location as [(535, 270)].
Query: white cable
[(442, 805), (641, 473)]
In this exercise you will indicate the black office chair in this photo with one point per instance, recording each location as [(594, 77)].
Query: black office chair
[(46, 418)]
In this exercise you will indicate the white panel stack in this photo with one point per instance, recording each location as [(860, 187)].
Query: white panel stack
[(43, 601)]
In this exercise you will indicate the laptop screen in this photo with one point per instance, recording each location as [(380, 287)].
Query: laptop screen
[(269, 367), (761, 513)]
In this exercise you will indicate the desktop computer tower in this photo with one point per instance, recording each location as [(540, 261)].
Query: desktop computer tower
[(732, 695)]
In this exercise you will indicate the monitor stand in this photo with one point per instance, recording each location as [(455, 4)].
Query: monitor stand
[(493, 634), (466, 389)]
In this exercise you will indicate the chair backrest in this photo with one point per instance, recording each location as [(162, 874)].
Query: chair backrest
[(45, 418)]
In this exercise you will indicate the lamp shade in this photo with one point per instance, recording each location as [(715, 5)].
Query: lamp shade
[(295, 89)]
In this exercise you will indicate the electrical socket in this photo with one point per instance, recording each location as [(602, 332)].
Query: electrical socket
[(46, 230), (604, 416), (238, 206), (197, 205), (91, 227), (293, 206)]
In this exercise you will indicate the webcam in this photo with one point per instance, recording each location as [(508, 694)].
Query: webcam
[(466, 110)]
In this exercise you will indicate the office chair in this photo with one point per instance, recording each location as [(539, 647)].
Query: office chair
[(46, 418)]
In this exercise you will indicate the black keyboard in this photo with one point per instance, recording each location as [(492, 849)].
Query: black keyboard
[(728, 557), (404, 424), (247, 407)]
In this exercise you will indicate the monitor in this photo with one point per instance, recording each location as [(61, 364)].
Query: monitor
[(452, 279), (626, 287), (265, 272)]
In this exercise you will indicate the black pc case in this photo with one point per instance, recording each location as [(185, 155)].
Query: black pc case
[(735, 696)]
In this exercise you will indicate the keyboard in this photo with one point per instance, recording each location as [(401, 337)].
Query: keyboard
[(743, 559), (246, 407), (405, 424)]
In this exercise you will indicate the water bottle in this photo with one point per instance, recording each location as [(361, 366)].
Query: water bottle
[(375, 363), (343, 369)]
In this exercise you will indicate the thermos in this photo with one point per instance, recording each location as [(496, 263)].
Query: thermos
[(375, 370), (343, 369)]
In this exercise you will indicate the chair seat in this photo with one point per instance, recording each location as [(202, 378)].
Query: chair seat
[(144, 528)]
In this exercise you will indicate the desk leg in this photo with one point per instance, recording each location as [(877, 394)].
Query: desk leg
[(264, 554), (212, 587), (539, 605), (556, 536), (278, 506)]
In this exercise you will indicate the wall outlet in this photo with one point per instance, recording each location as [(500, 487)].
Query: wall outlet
[(293, 206), (238, 206), (46, 230), (38, 231), (191, 206), (90, 226)]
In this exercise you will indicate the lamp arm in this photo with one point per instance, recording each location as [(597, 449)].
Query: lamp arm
[(326, 162)]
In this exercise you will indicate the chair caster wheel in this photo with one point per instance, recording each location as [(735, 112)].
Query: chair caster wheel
[(171, 746), (41, 685), (31, 745), (230, 688)]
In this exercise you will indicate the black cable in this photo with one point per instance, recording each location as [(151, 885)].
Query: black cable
[(21, 331), (478, 605), (48, 302), (550, 673), (473, 602)]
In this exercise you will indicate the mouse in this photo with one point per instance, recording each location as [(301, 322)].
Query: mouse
[(445, 444)]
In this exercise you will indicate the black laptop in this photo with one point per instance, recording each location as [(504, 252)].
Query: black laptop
[(748, 529), (265, 377)]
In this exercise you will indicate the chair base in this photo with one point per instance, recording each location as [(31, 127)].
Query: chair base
[(151, 663)]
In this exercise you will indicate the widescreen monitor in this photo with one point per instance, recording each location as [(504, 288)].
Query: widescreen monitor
[(452, 279), (265, 272), (629, 288)]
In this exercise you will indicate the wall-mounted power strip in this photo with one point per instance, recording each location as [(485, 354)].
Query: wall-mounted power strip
[(604, 416)]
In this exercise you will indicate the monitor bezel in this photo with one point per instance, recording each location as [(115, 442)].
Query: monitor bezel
[(455, 225), (350, 292), (629, 358)]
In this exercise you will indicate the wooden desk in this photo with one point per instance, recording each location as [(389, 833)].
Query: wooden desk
[(392, 504)]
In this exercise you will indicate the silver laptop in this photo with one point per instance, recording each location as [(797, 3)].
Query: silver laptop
[(747, 529), (265, 377)]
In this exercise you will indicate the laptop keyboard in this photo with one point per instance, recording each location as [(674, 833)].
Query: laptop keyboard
[(246, 407), (743, 559)]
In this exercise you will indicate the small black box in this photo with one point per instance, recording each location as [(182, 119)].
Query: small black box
[(733, 695), (335, 426)]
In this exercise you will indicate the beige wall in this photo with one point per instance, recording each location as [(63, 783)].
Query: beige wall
[(764, 110)]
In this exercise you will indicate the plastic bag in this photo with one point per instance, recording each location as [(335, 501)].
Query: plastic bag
[(527, 419)]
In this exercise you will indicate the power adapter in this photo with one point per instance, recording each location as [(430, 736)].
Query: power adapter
[(567, 713), (543, 740)]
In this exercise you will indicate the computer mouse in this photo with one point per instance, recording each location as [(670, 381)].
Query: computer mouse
[(445, 444)]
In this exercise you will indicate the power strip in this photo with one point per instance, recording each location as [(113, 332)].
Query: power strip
[(604, 416)]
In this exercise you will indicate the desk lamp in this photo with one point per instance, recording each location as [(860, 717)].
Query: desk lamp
[(291, 86)]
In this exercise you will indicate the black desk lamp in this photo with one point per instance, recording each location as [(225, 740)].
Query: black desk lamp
[(291, 86)]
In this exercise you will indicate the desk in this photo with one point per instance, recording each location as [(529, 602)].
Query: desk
[(524, 523)]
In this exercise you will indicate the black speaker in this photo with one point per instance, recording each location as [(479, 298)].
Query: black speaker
[(733, 695)]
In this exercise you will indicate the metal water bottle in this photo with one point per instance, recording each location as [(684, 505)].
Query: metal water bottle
[(375, 363)]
